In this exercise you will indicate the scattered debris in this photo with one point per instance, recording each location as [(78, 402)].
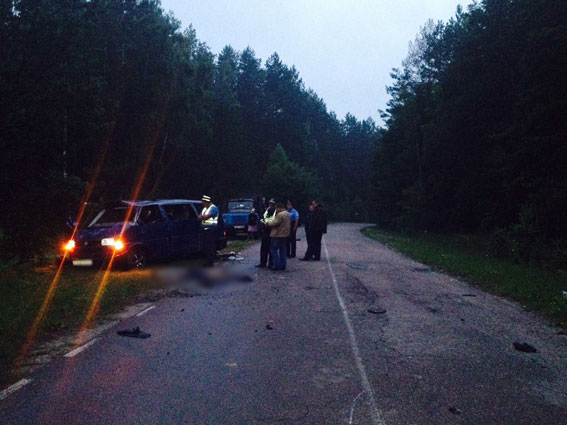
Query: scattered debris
[(469, 295), (270, 325), (433, 309), (357, 266), (178, 293), (134, 333), (182, 309), (455, 410), (310, 288), (226, 255), (462, 320), (525, 347), (376, 310), (421, 269)]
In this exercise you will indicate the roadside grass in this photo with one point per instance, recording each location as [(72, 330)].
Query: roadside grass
[(24, 287), (467, 256), (238, 245)]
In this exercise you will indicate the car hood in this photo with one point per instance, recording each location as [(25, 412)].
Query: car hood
[(96, 233)]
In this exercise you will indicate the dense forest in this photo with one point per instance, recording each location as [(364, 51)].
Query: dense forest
[(110, 99), (476, 136)]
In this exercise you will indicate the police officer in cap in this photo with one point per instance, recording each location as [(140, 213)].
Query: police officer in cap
[(269, 215), (209, 219)]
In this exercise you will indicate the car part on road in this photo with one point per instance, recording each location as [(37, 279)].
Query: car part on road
[(469, 295), (455, 410), (134, 333), (376, 310), (525, 347)]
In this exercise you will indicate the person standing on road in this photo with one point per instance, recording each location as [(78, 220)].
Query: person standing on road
[(269, 215), (307, 226), (209, 219), (279, 234), (291, 240), (252, 225), (317, 226)]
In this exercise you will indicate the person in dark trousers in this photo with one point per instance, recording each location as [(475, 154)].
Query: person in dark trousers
[(209, 219), (280, 226), (269, 215), (291, 240), (307, 226), (317, 226)]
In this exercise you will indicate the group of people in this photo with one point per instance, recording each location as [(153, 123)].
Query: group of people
[(279, 229)]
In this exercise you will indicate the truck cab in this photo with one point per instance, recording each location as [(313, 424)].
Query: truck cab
[(236, 217)]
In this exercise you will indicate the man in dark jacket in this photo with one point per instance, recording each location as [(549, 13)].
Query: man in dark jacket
[(269, 215), (317, 226)]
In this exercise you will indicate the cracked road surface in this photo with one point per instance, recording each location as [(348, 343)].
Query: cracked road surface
[(313, 345)]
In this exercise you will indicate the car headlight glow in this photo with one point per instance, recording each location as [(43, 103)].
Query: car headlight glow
[(70, 245), (116, 243), (107, 242)]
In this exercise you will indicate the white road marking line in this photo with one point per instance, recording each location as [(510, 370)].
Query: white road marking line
[(80, 349), (353, 406), (141, 313), (375, 412), (13, 388)]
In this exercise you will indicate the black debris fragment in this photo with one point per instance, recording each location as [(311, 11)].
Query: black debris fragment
[(421, 269), (357, 266), (376, 310), (525, 347), (469, 295), (270, 325), (182, 309), (134, 333), (310, 288), (455, 410)]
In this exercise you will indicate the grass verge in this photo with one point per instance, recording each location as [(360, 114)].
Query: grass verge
[(24, 288), (467, 256)]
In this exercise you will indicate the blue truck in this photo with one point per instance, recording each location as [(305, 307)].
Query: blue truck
[(236, 219)]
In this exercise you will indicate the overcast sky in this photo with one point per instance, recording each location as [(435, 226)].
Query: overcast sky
[(344, 50)]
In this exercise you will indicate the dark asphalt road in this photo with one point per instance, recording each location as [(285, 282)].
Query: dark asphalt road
[(327, 360)]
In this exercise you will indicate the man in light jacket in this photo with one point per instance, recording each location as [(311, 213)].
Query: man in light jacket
[(280, 225)]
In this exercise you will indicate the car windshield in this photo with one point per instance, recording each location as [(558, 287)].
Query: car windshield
[(109, 217), (240, 205)]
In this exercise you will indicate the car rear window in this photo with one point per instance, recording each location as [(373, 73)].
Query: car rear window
[(179, 212)]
